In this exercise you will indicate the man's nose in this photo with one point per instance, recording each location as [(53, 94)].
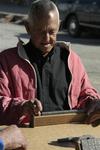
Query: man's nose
[(46, 36)]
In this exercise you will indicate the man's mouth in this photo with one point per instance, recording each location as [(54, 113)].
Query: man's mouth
[(45, 44)]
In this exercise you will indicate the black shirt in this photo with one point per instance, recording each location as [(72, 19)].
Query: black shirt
[(53, 77)]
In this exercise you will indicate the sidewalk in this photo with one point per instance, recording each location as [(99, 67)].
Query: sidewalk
[(13, 13)]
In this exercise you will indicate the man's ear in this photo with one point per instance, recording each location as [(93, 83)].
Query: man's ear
[(26, 24)]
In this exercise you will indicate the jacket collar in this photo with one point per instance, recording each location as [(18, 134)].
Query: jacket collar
[(21, 50), (64, 44)]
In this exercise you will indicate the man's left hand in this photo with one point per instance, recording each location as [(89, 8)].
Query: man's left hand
[(93, 112)]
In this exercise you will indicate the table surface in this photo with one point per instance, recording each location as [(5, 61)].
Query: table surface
[(45, 137)]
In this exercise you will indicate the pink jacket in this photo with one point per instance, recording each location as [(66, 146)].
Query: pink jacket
[(18, 83)]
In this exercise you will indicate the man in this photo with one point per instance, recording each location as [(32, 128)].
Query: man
[(12, 138), (43, 72)]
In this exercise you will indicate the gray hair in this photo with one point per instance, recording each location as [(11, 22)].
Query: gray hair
[(41, 7)]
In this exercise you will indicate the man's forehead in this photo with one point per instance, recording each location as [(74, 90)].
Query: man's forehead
[(46, 15), (45, 18), (44, 27)]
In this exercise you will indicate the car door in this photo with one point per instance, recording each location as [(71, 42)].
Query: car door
[(95, 13)]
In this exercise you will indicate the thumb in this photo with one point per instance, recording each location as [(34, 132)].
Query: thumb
[(37, 106)]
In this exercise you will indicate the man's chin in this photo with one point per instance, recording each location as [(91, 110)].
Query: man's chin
[(45, 50)]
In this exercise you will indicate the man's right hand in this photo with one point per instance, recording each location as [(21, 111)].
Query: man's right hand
[(30, 108)]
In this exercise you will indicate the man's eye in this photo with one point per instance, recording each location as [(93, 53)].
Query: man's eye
[(53, 32)]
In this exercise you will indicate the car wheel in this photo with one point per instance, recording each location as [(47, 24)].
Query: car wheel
[(73, 26)]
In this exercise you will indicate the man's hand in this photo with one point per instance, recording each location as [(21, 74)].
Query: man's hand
[(13, 138), (93, 112), (30, 108)]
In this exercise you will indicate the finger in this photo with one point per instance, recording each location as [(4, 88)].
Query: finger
[(38, 104), (36, 111), (93, 117)]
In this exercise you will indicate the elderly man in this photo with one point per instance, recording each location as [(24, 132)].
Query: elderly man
[(43, 72)]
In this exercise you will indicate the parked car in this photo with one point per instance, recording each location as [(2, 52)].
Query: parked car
[(76, 15)]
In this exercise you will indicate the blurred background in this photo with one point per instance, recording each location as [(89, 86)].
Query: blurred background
[(18, 2)]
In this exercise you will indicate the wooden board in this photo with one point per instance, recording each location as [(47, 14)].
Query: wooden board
[(63, 118)]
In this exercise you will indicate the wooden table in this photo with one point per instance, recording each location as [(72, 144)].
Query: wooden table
[(44, 137)]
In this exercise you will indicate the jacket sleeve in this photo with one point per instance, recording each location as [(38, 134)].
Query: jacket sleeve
[(87, 92), (81, 89), (10, 106)]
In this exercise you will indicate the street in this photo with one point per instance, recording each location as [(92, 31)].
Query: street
[(88, 48)]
